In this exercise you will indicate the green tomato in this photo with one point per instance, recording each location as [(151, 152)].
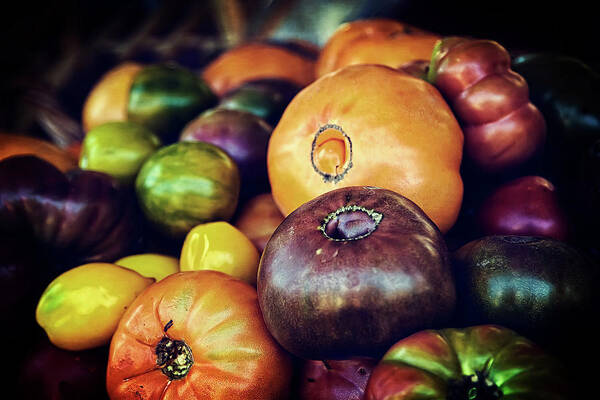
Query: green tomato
[(118, 149), (186, 184), (164, 98)]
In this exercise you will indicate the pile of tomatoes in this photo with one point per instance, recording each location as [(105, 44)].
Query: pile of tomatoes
[(394, 215)]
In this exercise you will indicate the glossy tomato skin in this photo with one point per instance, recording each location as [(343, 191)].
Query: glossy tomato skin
[(234, 356), (243, 136), (525, 206), (479, 362), (540, 287), (502, 128), (185, 184), (265, 98), (330, 297), (163, 98), (369, 125), (254, 61), (374, 41), (82, 216), (335, 379)]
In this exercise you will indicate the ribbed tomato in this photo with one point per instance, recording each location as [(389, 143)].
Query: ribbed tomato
[(196, 335), (369, 125)]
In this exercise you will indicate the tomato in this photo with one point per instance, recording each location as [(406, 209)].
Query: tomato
[(12, 145), (196, 334), (477, 363), (369, 125), (375, 41), (258, 219), (109, 98), (186, 184), (150, 265), (81, 308), (254, 61), (118, 149), (220, 246)]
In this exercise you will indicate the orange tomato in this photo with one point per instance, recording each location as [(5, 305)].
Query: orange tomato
[(13, 145), (375, 41), (196, 335), (108, 100), (257, 61), (369, 125)]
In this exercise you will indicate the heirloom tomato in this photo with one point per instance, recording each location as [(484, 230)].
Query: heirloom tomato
[(81, 308), (219, 246), (13, 145), (369, 125), (375, 41), (484, 362), (196, 335), (254, 61)]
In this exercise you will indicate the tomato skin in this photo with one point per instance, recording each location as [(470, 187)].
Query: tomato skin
[(150, 265), (402, 136), (219, 246), (502, 128), (13, 145), (432, 365), (374, 41), (80, 309), (219, 319)]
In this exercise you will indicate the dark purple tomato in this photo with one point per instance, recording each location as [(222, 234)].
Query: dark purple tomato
[(351, 271), (240, 134), (81, 216), (525, 206), (54, 374), (335, 379)]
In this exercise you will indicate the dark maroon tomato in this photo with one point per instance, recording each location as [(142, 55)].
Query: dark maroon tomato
[(540, 287), (526, 206), (502, 128), (55, 374), (81, 216), (243, 136), (335, 379), (349, 272)]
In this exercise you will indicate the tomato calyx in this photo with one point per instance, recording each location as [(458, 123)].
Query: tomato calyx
[(350, 223), (173, 357), (473, 387)]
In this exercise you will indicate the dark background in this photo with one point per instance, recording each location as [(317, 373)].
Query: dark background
[(36, 36)]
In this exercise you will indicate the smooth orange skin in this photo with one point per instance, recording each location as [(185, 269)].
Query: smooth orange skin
[(108, 100), (257, 61), (404, 138), (218, 317), (16, 145), (375, 41)]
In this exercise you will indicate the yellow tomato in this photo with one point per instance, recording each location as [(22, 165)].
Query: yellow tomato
[(81, 308), (151, 265), (219, 246)]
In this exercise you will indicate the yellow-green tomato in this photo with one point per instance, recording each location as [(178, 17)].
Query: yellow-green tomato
[(220, 246), (81, 308), (151, 265), (118, 149)]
